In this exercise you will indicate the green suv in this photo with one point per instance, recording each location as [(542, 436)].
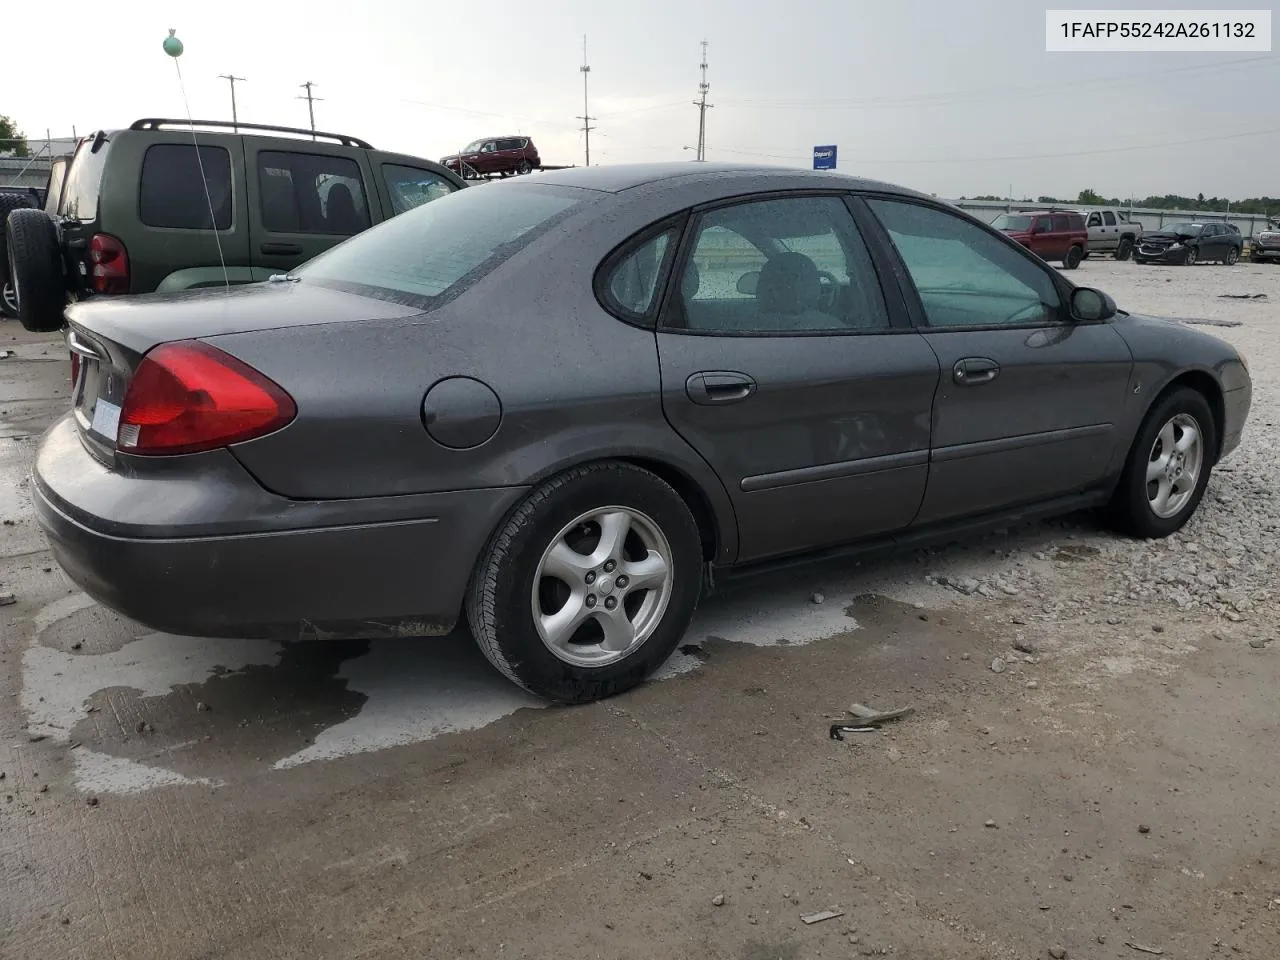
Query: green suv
[(168, 205)]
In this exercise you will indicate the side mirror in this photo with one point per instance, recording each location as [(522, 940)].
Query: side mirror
[(1090, 304), (747, 283)]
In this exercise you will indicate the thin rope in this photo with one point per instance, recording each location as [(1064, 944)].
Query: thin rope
[(213, 217)]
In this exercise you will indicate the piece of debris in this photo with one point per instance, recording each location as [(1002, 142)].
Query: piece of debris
[(36, 737), (1157, 628), (1242, 296), (1259, 644), (828, 914), (1023, 646), (965, 656), (1102, 939), (1154, 951), (91, 801), (869, 717), (991, 825), (1205, 322), (997, 665), (718, 900), (44, 788), (143, 727), (817, 597), (838, 730), (201, 707), (6, 354), (77, 645), (7, 599), (1058, 953), (1143, 828)]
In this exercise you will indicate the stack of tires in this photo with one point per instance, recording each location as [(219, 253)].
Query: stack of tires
[(8, 203), (31, 265)]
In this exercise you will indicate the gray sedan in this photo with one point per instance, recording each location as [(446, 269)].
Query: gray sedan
[(561, 406)]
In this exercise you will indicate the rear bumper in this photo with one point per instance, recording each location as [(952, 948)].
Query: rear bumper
[(276, 568)]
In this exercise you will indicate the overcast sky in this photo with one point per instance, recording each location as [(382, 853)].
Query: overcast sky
[(952, 98)]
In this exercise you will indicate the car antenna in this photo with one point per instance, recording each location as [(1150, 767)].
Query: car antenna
[(173, 47)]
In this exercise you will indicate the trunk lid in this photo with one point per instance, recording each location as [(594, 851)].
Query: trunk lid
[(108, 337)]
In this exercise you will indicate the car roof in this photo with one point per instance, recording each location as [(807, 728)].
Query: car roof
[(615, 178)]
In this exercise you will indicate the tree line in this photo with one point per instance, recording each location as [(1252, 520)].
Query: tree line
[(1170, 201)]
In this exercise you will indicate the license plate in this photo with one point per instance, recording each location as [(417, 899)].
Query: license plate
[(106, 419)]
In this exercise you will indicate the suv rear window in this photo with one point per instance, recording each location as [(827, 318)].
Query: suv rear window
[(84, 181), (172, 193), (311, 193), (431, 249)]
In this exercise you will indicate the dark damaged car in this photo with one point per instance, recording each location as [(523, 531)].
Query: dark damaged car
[(1191, 242), (559, 408)]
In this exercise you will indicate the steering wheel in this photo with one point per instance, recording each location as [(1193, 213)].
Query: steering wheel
[(829, 286)]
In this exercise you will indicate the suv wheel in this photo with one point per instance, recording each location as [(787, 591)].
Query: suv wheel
[(35, 270), (1073, 258), (589, 585), (524, 167), (1124, 249), (1232, 256)]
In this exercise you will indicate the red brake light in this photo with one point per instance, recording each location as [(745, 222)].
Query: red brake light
[(110, 261), (187, 396), (75, 367)]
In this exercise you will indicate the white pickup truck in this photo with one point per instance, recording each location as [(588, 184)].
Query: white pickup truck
[(1111, 230)]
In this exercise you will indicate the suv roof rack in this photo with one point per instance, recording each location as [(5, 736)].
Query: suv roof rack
[(156, 123)]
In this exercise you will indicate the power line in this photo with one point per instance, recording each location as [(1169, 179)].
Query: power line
[(703, 106), (586, 117), (311, 110), (232, 80), (957, 96)]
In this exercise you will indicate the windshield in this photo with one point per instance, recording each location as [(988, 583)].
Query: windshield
[(1012, 221), (1182, 228), (473, 147), (425, 252)]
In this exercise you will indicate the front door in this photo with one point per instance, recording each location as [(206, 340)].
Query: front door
[(796, 376), (1028, 399), (304, 198)]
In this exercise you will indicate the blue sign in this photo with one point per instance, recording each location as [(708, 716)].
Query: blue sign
[(824, 158)]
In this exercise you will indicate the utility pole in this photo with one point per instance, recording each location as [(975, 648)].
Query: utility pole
[(235, 120), (311, 110), (586, 117), (703, 106)]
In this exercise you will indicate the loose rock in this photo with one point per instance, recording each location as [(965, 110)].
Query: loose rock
[(718, 900), (1023, 646), (991, 825), (997, 665), (1143, 828), (201, 707), (7, 599), (1058, 953), (817, 597)]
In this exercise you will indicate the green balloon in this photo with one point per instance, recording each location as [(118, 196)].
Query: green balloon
[(172, 45)]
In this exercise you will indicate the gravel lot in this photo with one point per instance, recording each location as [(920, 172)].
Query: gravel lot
[(1091, 769)]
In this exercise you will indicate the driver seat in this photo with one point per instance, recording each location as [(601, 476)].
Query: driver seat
[(788, 293)]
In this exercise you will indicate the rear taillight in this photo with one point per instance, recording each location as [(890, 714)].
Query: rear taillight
[(110, 264), (75, 366), (187, 396)]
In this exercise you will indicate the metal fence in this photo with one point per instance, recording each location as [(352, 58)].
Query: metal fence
[(1151, 219)]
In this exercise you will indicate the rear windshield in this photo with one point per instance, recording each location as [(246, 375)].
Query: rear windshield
[(84, 180), (1009, 221), (426, 252)]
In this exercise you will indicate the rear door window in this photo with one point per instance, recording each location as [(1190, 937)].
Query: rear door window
[(84, 180), (311, 193), (1061, 223), (185, 190)]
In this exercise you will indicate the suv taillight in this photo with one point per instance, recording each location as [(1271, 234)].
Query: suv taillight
[(110, 264), (186, 397)]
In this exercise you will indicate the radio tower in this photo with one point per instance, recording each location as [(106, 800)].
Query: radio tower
[(586, 117), (703, 106)]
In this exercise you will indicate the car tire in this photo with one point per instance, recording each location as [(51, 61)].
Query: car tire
[(537, 565), (1073, 258), (1232, 256), (35, 269), (1124, 249), (1135, 508), (524, 167), (1190, 257)]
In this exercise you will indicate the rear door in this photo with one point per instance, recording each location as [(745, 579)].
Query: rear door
[(1061, 233), (788, 363), (304, 197), (1028, 400)]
